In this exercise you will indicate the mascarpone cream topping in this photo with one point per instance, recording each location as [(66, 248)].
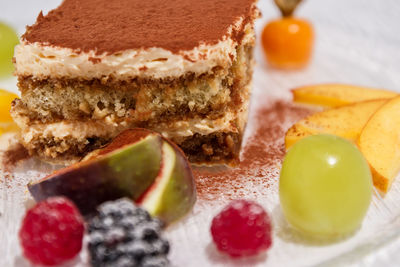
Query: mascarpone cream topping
[(43, 61)]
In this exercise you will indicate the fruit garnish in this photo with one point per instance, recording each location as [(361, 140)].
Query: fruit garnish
[(325, 187), (335, 95), (6, 122), (126, 171), (125, 235), (138, 164), (346, 121), (288, 41), (379, 142), (52, 232), (242, 228), (8, 40), (164, 198), (5, 105), (287, 7)]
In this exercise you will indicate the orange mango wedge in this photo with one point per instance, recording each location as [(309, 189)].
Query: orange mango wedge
[(346, 121), (379, 142), (6, 122), (335, 95)]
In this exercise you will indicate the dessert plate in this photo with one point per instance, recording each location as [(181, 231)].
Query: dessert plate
[(357, 43)]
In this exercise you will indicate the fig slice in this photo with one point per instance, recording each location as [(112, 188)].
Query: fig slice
[(126, 171), (138, 164), (173, 193)]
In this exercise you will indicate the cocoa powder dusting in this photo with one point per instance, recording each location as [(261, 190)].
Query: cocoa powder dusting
[(264, 149), (111, 26), (13, 156)]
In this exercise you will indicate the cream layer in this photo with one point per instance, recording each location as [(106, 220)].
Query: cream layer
[(43, 61), (230, 122)]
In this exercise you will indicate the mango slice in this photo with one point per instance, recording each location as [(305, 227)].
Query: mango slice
[(335, 95), (347, 122), (379, 142)]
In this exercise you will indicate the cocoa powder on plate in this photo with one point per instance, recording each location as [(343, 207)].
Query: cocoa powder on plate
[(263, 150), (13, 155)]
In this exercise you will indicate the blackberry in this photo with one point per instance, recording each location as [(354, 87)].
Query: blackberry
[(124, 235)]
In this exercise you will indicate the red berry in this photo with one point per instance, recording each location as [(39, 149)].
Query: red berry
[(242, 228), (52, 232)]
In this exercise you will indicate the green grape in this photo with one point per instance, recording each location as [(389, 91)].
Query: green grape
[(325, 187), (8, 40)]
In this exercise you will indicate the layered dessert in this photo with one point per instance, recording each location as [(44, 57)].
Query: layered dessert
[(90, 69)]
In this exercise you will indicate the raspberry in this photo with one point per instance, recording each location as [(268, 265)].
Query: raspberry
[(52, 232), (242, 228), (123, 235)]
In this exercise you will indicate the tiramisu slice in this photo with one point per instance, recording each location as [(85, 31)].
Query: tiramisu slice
[(92, 68)]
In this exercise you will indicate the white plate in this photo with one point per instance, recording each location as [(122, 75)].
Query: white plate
[(357, 43)]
